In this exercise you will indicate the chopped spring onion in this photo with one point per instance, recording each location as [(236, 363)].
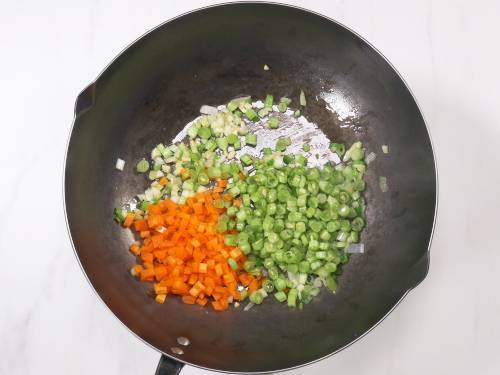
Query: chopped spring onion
[(285, 100), (257, 297), (119, 215), (296, 114), (232, 263), (264, 112), (280, 296), (306, 147), (385, 149), (355, 152), (251, 114), (273, 123), (283, 143), (268, 102), (120, 164), (282, 107), (382, 182), (302, 99), (142, 166), (251, 139), (337, 148)]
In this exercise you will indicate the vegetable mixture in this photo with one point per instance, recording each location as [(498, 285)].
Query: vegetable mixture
[(217, 227)]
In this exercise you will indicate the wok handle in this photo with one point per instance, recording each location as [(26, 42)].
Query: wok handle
[(168, 366)]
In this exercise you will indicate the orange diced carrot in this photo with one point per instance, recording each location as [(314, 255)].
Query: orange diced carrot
[(160, 298)]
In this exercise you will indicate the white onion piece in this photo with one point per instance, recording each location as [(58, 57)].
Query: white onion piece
[(248, 307), (208, 110), (385, 149), (382, 181), (120, 164), (317, 282), (355, 248), (370, 157), (259, 104)]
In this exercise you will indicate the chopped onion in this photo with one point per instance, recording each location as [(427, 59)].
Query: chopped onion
[(355, 248), (249, 306), (266, 67), (120, 164), (293, 277), (382, 181), (236, 304), (259, 104), (208, 110), (302, 98), (370, 157), (317, 283), (385, 149)]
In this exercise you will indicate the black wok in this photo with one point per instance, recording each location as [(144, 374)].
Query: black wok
[(154, 87)]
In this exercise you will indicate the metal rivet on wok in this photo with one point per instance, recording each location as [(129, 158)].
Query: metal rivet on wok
[(177, 350), (184, 341)]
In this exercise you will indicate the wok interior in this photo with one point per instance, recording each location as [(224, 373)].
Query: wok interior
[(158, 84)]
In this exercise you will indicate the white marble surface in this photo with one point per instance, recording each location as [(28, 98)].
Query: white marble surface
[(50, 320)]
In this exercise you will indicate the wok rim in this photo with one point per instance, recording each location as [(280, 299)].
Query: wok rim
[(272, 3)]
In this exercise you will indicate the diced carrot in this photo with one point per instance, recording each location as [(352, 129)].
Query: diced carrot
[(235, 253), (190, 300), (160, 298), (129, 220), (135, 249), (160, 272), (221, 183), (147, 257), (136, 270), (183, 253), (203, 268), (193, 278), (253, 286), (141, 225), (228, 278), (147, 274), (160, 289), (202, 301), (163, 181), (218, 269)]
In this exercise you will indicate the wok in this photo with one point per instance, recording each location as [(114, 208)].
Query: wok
[(157, 85)]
